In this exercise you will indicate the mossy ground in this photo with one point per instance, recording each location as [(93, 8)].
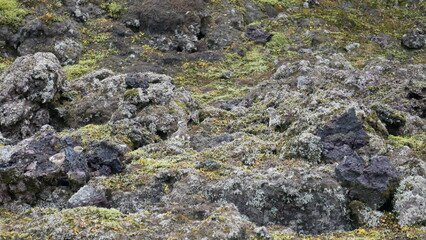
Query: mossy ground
[(243, 65), (340, 25), (91, 133), (415, 142)]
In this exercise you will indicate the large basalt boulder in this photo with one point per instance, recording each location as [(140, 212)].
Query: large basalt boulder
[(307, 202), (342, 137), (97, 97), (38, 163), (38, 35), (26, 88), (25, 169), (373, 184)]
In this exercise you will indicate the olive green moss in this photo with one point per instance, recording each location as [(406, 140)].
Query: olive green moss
[(12, 13), (91, 133), (415, 142), (131, 93), (113, 8), (89, 62)]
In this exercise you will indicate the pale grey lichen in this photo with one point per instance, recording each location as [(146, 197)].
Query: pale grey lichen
[(410, 201)]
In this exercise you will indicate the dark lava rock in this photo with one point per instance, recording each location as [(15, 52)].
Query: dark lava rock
[(26, 88), (209, 165), (372, 184), (37, 35), (87, 196), (35, 164), (105, 158), (255, 33), (417, 98), (342, 137), (134, 81), (25, 169), (75, 165), (414, 39)]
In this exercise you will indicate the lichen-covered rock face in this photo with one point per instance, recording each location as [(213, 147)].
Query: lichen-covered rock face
[(26, 88), (68, 51), (363, 216), (146, 98), (87, 196), (410, 200), (373, 184), (38, 164), (414, 39), (280, 199)]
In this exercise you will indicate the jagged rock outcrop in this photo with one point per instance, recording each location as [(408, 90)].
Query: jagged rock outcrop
[(342, 137), (39, 163), (373, 184), (26, 89)]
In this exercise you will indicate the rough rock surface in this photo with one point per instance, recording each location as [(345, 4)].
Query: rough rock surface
[(258, 35), (87, 196), (414, 39), (410, 200), (36, 164), (278, 199), (212, 119), (343, 136), (373, 184), (27, 87)]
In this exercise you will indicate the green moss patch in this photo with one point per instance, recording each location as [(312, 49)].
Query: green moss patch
[(415, 142), (12, 13), (92, 133)]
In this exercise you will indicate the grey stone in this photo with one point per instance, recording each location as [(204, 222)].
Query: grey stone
[(410, 201), (351, 47), (255, 33), (414, 39), (25, 88), (68, 51), (87, 196)]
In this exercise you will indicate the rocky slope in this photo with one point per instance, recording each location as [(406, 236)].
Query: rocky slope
[(214, 119)]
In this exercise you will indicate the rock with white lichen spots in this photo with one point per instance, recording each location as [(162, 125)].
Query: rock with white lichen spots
[(26, 88), (410, 201)]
